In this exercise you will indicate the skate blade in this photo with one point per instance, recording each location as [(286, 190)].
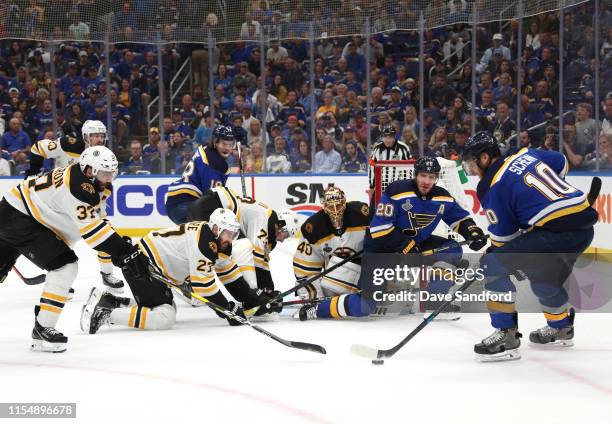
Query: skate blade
[(553, 345), (42, 346), (508, 355), (92, 299), (448, 317)]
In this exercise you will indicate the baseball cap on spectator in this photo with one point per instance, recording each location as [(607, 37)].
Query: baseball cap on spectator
[(352, 142), (324, 35), (396, 88), (154, 130), (498, 36), (244, 64), (176, 110), (72, 63), (82, 53), (13, 90), (75, 83), (100, 104), (91, 88), (275, 126)]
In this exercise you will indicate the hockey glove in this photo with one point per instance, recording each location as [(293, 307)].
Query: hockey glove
[(410, 247), (134, 262), (236, 310), (260, 298), (477, 238)]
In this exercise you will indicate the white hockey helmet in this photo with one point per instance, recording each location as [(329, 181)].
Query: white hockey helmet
[(292, 223), (101, 160), (225, 220), (91, 127)]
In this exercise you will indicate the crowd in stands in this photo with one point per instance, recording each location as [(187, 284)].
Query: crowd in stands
[(277, 132)]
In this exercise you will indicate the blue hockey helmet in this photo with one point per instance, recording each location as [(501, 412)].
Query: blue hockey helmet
[(224, 132)]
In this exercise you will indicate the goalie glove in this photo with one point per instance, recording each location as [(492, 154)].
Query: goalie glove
[(477, 238)]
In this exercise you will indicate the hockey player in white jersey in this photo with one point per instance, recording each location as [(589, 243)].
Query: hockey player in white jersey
[(189, 253), (66, 150), (262, 227), (334, 233), (41, 218)]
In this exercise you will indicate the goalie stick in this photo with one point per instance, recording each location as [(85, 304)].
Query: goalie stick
[(292, 344), (305, 282), (30, 281)]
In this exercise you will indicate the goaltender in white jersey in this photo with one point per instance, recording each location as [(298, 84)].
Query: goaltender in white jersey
[(42, 218), (334, 233)]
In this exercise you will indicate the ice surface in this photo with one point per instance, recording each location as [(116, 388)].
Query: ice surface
[(203, 370)]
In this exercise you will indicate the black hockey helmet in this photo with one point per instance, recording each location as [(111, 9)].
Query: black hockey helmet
[(427, 164), (481, 142), (388, 130), (223, 132)]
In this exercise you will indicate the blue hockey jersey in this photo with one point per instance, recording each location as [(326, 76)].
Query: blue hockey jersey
[(402, 214), (528, 190), (206, 170)]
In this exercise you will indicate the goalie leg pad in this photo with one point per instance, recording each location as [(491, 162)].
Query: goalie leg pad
[(343, 279), (55, 293)]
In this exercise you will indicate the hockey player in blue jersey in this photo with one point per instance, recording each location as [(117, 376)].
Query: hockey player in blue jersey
[(406, 216), (207, 169), (531, 209)]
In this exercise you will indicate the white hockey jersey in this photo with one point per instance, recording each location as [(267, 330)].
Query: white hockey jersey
[(188, 252), (321, 241), (65, 201), (64, 150)]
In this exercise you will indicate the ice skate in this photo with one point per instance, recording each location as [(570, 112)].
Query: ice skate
[(502, 345)]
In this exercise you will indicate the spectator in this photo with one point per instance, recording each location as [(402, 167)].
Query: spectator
[(324, 47), (276, 55), (120, 115), (292, 107), (15, 140), (178, 143), (244, 78), (574, 151), (429, 124), (204, 131), (438, 143), (607, 122), (453, 50), (292, 76), (441, 95), (409, 138), (151, 149), (463, 85), (278, 161), (605, 154), (502, 126), (256, 134), (497, 48), (331, 127), (301, 159), (396, 104), (136, 161), (182, 160), (170, 159), (504, 90), (355, 60), (327, 106), (255, 159), (585, 125), (278, 90), (458, 144), (328, 160), (21, 163), (353, 161), (551, 140), (533, 36)]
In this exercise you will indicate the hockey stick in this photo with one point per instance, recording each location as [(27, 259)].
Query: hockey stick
[(305, 282), (377, 355), (296, 345), (244, 192), (594, 190), (30, 281)]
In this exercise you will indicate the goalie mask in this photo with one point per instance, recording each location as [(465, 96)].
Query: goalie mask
[(334, 205)]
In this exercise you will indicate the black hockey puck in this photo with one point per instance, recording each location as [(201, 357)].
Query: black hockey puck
[(378, 361)]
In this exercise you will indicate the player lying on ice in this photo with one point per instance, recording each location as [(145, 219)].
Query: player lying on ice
[(41, 218), (405, 218), (531, 210), (193, 253), (261, 227)]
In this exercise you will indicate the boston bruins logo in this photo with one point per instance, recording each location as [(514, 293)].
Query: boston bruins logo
[(344, 252), (72, 140), (308, 227), (365, 210), (88, 188), (213, 246)]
